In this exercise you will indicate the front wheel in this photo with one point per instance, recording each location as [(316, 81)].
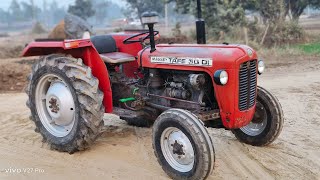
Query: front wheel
[(182, 145), (266, 124)]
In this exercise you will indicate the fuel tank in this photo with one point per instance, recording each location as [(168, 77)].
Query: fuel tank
[(208, 59)]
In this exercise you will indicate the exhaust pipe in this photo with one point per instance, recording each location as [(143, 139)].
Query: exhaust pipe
[(200, 25)]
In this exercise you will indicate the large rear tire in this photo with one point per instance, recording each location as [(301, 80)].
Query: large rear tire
[(182, 145), (65, 103), (266, 124)]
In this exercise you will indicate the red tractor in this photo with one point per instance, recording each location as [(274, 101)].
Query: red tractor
[(177, 88)]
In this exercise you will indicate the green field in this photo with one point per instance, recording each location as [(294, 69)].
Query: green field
[(313, 48)]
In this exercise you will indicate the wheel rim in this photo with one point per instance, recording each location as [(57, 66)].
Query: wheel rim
[(258, 123), (177, 149), (55, 105)]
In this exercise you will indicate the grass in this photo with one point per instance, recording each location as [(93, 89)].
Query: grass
[(313, 48)]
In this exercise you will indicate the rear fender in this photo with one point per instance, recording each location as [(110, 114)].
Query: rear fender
[(83, 49)]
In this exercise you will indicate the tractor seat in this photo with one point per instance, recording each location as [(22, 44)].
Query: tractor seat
[(107, 48), (117, 57)]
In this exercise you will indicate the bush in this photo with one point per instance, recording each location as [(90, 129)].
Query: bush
[(38, 29), (176, 31), (284, 34), (192, 34), (174, 40), (118, 30), (255, 31)]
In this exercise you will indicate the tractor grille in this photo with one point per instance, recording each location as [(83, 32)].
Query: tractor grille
[(247, 84)]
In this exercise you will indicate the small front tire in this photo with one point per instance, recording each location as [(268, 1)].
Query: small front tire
[(182, 145), (266, 124)]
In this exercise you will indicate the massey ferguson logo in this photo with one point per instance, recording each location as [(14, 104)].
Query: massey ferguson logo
[(248, 65), (184, 61)]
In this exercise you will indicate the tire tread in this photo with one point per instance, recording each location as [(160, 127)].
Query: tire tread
[(88, 94)]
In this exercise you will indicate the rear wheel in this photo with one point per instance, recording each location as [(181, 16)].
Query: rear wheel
[(266, 124), (65, 103), (182, 145)]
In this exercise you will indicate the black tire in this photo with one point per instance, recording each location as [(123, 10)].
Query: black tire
[(194, 130), (89, 109), (275, 120)]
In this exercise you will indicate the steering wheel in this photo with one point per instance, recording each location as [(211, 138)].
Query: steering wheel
[(130, 40)]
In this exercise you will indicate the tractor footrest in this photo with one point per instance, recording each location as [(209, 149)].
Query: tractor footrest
[(125, 114)]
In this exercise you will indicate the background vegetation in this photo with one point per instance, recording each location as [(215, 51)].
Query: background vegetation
[(270, 23)]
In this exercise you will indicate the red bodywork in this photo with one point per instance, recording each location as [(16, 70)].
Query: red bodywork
[(130, 68), (85, 50), (79, 49), (226, 57)]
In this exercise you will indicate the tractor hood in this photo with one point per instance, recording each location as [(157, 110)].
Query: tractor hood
[(195, 57), (208, 59)]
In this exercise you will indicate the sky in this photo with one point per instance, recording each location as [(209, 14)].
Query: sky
[(4, 4)]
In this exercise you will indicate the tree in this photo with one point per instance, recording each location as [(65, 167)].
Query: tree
[(272, 10), (18, 12), (114, 11), (315, 4), (30, 11), (82, 8), (15, 11), (4, 16), (220, 15), (101, 8), (27, 10), (251, 5), (297, 7), (277, 30), (140, 6), (291, 8), (56, 13)]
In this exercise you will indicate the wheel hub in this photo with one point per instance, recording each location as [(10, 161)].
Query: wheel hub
[(62, 113), (258, 123), (177, 149), (260, 114), (55, 105)]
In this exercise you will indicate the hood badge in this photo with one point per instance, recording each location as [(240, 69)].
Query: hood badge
[(250, 52), (183, 61), (248, 65)]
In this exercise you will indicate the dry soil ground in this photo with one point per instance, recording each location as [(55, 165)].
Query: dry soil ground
[(125, 152)]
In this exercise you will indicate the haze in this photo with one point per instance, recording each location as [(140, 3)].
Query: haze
[(6, 3)]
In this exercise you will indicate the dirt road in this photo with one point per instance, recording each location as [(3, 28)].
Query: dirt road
[(125, 152)]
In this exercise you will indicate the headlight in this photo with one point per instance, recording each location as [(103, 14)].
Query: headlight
[(261, 66), (221, 77)]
